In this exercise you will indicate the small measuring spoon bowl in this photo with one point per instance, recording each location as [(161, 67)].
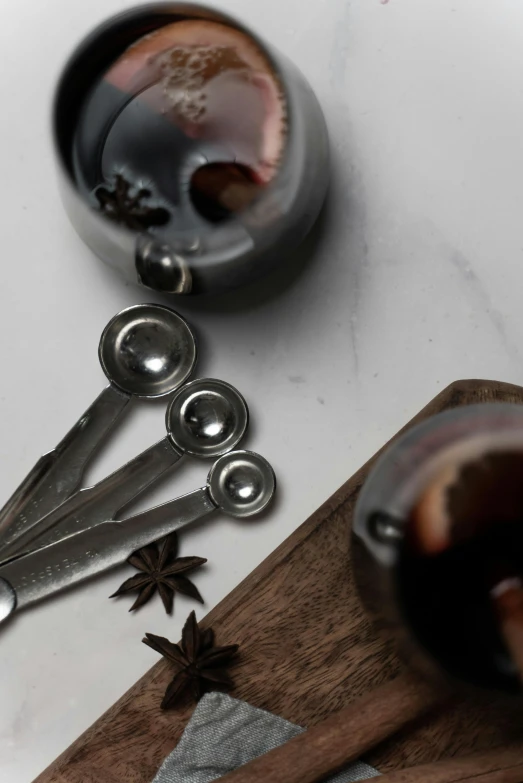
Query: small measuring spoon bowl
[(145, 351), (205, 419), (240, 483)]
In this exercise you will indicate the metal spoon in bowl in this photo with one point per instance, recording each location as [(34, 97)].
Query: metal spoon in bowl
[(240, 484), (145, 351), (206, 418)]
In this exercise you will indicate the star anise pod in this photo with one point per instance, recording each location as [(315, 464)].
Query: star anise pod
[(124, 204), (161, 569), (200, 665)]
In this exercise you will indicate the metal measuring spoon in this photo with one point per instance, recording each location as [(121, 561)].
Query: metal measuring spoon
[(145, 351), (240, 484), (206, 418)]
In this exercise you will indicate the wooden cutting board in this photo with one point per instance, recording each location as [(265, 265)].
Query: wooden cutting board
[(307, 649)]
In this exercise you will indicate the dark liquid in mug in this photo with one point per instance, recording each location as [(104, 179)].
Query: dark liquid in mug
[(447, 602), (187, 123)]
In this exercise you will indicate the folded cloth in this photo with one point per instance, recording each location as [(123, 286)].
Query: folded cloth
[(224, 734)]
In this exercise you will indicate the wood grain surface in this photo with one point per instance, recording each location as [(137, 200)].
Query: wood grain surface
[(500, 765), (307, 650), (343, 737)]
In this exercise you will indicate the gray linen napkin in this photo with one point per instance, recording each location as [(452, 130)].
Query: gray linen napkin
[(224, 734)]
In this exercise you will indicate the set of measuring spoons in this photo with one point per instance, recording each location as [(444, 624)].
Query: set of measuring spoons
[(54, 534)]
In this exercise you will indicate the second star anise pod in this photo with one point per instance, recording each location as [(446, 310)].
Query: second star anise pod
[(124, 204), (161, 570), (201, 665)]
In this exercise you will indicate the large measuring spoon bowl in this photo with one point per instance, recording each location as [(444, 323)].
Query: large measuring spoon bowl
[(145, 351), (240, 483), (206, 418)]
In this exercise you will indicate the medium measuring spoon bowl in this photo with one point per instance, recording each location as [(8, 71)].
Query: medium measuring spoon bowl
[(207, 418)]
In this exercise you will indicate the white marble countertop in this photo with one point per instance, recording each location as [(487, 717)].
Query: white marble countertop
[(416, 282)]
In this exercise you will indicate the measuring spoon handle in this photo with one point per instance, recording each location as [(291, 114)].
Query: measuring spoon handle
[(98, 503), (59, 473), (72, 560)]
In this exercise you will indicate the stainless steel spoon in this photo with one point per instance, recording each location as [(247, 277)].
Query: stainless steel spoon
[(240, 484), (145, 351), (206, 418)]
